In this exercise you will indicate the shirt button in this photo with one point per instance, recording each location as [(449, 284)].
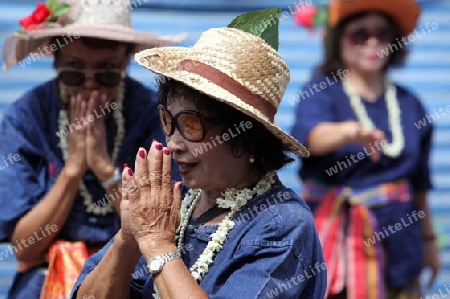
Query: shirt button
[(92, 220)]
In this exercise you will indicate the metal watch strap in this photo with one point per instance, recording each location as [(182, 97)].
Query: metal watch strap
[(116, 178), (156, 263), (170, 256)]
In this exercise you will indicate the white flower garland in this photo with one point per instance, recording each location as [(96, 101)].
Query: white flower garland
[(393, 149), (233, 199), (63, 122)]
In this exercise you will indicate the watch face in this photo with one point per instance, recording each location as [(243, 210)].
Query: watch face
[(155, 265)]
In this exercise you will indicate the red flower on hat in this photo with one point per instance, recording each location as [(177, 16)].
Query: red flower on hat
[(312, 17), (44, 12), (305, 16), (37, 17)]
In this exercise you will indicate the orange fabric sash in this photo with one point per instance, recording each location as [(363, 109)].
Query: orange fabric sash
[(66, 260), (344, 222)]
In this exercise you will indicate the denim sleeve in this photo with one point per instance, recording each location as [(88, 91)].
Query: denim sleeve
[(312, 109), (421, 179), (23, 175), (137, 282), (279, 257)]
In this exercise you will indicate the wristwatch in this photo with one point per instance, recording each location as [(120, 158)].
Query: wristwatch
[(156, 263), (115, 179)]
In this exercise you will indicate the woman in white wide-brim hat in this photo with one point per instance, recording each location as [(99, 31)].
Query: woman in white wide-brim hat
[(69, 139), (241, 232)]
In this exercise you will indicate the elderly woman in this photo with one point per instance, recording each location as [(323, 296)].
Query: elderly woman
[(241, 233), (70, 138), (368, 174)]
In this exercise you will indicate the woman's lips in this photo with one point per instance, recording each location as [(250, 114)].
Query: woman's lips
[(185, 168), (373, 57)]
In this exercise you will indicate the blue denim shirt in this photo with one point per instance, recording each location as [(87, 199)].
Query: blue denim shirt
[(404, 261), (272, 252)]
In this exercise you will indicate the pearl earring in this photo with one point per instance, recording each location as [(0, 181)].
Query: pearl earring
[(251, 159)]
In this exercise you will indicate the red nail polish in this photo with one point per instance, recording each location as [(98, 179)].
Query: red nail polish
[(166, 152), (141, 154), (158, 146), (130, 172)]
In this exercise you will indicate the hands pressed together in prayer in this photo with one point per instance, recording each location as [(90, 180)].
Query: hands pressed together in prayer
[(87, 144), (150, 207)]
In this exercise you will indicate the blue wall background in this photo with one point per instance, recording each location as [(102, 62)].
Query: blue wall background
[(427, 73)]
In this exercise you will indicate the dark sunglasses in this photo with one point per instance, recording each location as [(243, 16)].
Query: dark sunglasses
[(360, 36), (76, 77), (192, 125)]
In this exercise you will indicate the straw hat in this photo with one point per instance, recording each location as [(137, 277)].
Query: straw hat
[(404, 12), (234, 67), (104, 19)]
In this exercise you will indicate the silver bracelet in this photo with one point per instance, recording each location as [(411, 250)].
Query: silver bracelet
[(115, 179)]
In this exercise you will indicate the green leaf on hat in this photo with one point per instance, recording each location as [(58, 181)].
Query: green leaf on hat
[(61, 9), (321, 16), (20, 32), (51, 4), (262, 23)]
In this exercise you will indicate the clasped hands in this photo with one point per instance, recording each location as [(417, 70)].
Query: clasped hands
[(87, 143), (150, 206)]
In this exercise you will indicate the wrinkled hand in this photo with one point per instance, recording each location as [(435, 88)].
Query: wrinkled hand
[(154, 201), (432, 260), (367, 138), (77, 137), (97, 156), (125, 228)]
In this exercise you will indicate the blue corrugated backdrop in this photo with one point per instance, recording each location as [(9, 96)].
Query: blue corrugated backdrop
[(427, 73)]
